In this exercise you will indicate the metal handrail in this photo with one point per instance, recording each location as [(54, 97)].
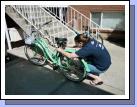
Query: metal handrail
[(71, 14)]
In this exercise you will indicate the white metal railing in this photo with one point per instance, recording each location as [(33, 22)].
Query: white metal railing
[(74, 19), (37, 16)]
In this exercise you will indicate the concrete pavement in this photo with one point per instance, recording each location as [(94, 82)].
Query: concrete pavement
[(23, 78)]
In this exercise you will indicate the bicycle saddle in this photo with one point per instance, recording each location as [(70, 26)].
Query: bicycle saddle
[(60, 39), (61, 42)]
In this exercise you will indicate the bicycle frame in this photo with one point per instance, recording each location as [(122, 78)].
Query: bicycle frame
[(48, 54), (52, 56)]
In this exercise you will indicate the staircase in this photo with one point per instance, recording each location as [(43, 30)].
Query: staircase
[(32, 17)]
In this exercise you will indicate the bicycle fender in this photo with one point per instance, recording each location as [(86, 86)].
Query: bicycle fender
[(38, 45), (71, 50), (40, 42)]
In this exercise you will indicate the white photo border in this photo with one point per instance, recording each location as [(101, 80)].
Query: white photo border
[(60, 3)]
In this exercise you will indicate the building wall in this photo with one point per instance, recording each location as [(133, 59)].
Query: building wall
[(88, 9)]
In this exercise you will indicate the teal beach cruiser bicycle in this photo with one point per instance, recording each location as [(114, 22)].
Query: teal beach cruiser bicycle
[(42, 51)]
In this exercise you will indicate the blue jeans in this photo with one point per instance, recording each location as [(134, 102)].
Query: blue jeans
[(94, 70)]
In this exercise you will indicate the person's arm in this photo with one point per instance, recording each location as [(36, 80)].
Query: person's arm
[(72, 46), (69, 55)]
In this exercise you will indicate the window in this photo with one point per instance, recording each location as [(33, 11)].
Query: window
[(96, 17), (110, 20)]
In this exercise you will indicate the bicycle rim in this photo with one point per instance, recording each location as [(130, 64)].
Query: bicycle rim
[(73, 71)]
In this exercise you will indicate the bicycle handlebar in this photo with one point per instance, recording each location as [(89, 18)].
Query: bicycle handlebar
[(46, 23)]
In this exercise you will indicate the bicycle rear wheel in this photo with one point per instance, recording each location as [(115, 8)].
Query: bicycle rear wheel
[(73, 69), (34, 54)]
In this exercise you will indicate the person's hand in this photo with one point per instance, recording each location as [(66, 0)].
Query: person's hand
[(75, 59)]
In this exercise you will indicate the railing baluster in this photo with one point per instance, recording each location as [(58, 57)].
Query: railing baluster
[(58, 29), (81, 24), (54, 31), (71, 15), (68, 15), (30, 14), (7, 37), (88, 27), (64, 15), (92, 28), (56, 11)]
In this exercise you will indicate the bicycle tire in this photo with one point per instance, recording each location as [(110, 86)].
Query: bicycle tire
[(74, 72), (34, 55)]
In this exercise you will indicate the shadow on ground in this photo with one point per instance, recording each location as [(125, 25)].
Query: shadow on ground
[(117, 42), (117, 37), (23, 78)]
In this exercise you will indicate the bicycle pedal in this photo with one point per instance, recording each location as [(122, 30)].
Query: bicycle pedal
[(55, 67)]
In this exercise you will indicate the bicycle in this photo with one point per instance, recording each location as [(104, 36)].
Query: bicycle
[(39, 53)]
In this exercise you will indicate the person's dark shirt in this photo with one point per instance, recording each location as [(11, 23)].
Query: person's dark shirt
[(96, 54)]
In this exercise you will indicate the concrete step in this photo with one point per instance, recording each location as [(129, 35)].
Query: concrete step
[(9, 9), (21, 22)]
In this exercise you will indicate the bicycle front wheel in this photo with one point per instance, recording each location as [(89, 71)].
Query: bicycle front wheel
[(73, 69), (34, 54)]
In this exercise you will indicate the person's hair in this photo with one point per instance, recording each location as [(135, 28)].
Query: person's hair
[(82, 38)]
